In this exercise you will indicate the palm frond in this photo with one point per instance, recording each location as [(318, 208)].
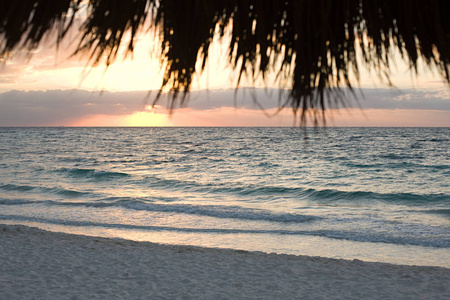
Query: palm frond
[(312, 44)]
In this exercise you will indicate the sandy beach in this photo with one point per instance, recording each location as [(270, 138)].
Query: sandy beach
[(36, 264)]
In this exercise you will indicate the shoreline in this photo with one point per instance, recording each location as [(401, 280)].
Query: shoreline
[(38, 264)]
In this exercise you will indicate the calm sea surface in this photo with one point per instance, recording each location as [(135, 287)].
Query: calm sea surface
[(375, 194)]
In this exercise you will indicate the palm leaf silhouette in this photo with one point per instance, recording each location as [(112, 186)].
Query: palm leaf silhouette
[(310, 44)]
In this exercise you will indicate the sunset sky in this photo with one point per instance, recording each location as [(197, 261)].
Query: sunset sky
[(54, 89)]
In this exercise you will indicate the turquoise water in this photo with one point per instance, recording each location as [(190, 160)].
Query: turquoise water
[(376, 194)]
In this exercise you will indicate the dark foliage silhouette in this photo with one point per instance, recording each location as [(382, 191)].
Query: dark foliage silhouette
[(310, 44)]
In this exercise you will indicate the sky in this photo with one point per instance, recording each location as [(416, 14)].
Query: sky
[(52, 88)]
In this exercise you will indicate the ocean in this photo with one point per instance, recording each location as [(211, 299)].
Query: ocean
[(372, 194)]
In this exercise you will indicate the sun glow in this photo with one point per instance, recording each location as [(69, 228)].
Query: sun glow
[(147, 119)]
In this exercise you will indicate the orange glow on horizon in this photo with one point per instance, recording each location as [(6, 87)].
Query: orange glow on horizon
[(228, 116)]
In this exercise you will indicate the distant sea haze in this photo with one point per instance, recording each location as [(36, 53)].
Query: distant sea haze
[(376, 194)]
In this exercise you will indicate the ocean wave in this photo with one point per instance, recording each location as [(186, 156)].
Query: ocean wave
[(51, 190), (330, 196), (438, 140), (15, 202), (401, 156), (92, 173), (384, 237), (19, 188), (321, 195), (142, 227), (443, 211), (358, 236), (225, 188), (216, 211), (400, 198)]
